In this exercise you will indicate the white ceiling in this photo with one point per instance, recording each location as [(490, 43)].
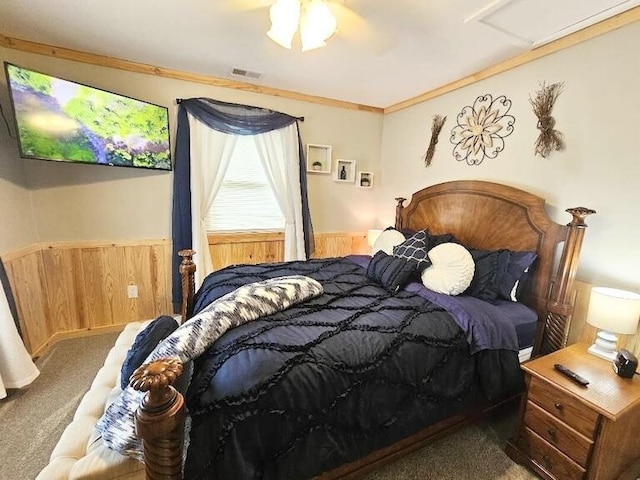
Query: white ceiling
[(384, 52)]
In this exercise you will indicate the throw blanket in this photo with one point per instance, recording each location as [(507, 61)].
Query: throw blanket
[(191, 339)]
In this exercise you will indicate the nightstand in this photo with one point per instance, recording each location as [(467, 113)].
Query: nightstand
[(571, 432)]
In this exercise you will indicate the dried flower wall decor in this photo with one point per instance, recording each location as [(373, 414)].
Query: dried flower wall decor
[(549, 140), (438, 123), (481, 129)]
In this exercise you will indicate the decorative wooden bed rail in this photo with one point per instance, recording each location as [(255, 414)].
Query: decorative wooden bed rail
[(160, 418)]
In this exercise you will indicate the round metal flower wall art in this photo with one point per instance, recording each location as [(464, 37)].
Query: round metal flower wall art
[(481, 129)]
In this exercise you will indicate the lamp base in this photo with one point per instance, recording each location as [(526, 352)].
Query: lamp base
[(598, 352), (604, 345)]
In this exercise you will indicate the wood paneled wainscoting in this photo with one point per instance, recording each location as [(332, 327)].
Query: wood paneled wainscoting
[(69, 289), (64, 290), (263, 247)]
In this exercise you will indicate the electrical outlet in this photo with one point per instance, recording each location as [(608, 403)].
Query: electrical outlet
[(132, 291)]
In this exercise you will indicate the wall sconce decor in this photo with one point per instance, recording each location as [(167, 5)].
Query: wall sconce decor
[(438, 123), (481, 129), (549, 140)]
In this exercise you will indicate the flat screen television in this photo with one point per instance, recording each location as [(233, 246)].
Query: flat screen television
[(65, 121)]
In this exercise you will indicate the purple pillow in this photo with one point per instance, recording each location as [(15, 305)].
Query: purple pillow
[(514, 279), (490, 269)]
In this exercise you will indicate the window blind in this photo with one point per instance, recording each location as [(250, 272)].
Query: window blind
[(245, 201)]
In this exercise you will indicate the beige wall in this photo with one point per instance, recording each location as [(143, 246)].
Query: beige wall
[(599, 114), (83, 202), (17, 225)]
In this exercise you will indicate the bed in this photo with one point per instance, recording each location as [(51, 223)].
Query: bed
[(356, 375)]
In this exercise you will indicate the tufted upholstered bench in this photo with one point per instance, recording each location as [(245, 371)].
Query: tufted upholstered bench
[(80, 453)]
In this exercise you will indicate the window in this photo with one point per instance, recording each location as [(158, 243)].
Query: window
[(245, 201)]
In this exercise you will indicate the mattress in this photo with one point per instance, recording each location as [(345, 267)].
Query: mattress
[(524, 319)]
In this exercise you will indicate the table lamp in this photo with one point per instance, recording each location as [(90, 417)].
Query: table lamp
[(612, 311)]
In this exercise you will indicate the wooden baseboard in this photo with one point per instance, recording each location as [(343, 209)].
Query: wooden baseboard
[(82, 332)]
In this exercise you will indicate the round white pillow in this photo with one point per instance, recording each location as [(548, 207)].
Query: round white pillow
[(451, 271), (387, 240)]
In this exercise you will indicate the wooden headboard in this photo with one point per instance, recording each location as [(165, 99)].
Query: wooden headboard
[(491, 216)]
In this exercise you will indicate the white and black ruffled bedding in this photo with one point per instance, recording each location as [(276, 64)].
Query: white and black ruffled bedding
[(331, 379)]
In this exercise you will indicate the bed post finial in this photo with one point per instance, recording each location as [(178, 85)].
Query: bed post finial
[(559, 308), (160, 418), (399, 208), (187, 272)]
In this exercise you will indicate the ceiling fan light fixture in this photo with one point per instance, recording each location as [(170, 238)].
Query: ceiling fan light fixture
[(314, 17), (312, 43), (281, 36), (284, 15), (317, 24)]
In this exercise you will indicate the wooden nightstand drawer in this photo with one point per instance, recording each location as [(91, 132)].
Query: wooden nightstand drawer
[(558, 434), (567, 431), (563, 406), (549, 458)]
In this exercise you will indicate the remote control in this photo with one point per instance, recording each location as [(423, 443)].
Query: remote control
[(572, 375)]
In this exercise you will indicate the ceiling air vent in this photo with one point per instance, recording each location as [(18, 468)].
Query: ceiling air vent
[(240, 72)]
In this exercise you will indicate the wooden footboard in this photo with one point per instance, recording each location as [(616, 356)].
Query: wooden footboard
[(479, 209)]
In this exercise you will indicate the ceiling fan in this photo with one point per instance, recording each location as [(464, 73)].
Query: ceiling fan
[(315, 21)]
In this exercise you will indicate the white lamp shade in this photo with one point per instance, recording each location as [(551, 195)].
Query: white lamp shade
[(614, 310)]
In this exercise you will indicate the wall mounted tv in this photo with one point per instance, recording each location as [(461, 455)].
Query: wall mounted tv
[(69, 122)]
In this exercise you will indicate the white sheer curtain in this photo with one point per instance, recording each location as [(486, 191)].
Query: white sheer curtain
[(16, 367), (211, 151), (278, 151)]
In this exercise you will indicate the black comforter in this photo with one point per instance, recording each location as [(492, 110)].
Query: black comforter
[(329, 380)]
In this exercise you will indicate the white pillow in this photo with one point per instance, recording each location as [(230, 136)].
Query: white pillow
[(451, 269), (387, 240)]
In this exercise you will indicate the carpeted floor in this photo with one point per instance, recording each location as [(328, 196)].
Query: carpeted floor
[(32, 420)]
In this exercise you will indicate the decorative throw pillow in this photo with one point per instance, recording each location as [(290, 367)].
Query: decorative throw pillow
[(389, 271), (414, 248), (451, 269), (435, 240), (388, 239), (514, 279), (490, 268), (144, 344)]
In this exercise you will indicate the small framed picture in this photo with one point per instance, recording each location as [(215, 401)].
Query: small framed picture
[(345, 171), (318, 158), (364, 179)]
